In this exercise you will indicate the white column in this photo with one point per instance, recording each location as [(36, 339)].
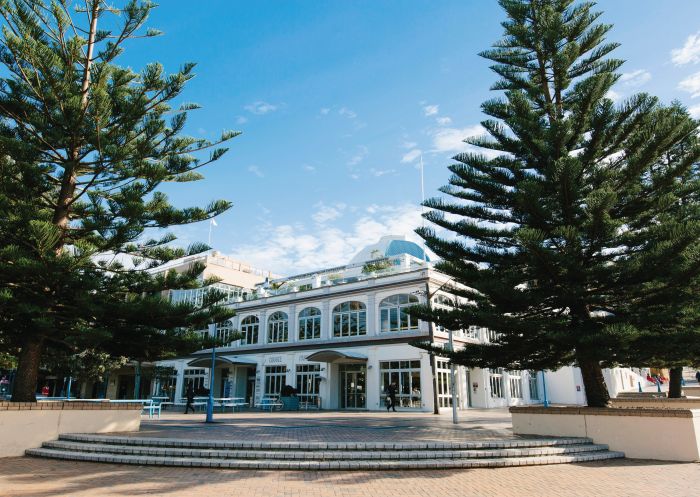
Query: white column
[(372, 321), (262, 330), (180, 381), (326, 321), (293, 324)]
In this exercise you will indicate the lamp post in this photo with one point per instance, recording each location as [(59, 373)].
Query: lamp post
[(210, 401), (545, 402), (453, 382)]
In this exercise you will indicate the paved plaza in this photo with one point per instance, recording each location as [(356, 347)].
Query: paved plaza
[(47, 478)]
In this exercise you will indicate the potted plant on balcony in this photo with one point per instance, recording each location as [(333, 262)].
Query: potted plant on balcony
[(289, 399)]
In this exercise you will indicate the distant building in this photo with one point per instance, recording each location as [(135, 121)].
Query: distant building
[(341, 335)]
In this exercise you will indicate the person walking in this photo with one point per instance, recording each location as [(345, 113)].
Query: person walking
[(697, 376), (391, 393), (189, 395)]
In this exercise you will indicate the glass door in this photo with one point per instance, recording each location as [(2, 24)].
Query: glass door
[(352, 386)]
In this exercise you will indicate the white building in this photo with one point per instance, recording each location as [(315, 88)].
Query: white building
[(340, 336)]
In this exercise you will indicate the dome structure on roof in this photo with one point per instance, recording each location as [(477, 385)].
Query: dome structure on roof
[(389, 246)]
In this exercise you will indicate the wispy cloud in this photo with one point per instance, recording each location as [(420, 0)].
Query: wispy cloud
[(292, 249), (688, 53), (378, 173), (443, 121), (411, 156), (345, 112), (260, 107), (324, 111), (359, 156), (241, 119), (691, 84), (308, 168), (452, 139), (635, 78), (431, 110), (256, 171), (694, 111), (325, 213)]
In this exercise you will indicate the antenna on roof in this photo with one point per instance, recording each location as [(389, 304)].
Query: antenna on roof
[(422, 207)]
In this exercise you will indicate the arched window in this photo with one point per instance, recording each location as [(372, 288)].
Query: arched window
[(349, 319), (277, 327), (249, 328), (310, 323), (393, 313)]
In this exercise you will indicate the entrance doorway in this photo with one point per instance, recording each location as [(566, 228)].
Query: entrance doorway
[(353, 393)]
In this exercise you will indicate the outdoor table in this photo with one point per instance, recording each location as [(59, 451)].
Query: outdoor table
[(231, 402), (269, 404)]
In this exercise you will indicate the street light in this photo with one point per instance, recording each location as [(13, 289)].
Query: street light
[(210, 401)]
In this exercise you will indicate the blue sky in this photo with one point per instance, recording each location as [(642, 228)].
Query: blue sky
[(338, 99)]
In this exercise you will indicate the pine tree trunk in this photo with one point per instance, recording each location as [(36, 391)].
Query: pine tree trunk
[(28, 371), (596, 391), (674, 383)]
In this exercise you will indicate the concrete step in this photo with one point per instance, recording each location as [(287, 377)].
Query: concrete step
[(322, 454), (276, 464), (344, 446)]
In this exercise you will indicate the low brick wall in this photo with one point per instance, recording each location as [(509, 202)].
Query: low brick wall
[(663, 403), (24, 425), (691, 391), (641, 433)]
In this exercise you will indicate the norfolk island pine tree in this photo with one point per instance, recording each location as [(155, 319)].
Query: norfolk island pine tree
[(552, 236), (103, 139)]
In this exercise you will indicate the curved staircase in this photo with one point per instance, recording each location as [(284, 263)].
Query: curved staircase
[(322, 456)]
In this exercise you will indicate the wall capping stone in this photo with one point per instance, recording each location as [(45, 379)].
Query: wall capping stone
[(651, 412), (61, 405)]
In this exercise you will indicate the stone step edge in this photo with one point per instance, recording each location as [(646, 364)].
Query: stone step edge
[(322, 455), (324, 465), (216, 444)]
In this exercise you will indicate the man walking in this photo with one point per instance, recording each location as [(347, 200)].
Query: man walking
[(189, 395), (391, 392)]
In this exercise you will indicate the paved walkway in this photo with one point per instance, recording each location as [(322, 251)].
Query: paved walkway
[(29, 477), (324, 426)]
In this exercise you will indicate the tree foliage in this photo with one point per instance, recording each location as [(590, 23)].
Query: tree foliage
[(87, 146), (559, 233)]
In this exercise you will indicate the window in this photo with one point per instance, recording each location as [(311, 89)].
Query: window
[(309, 383), (442, 371), (406, 376), (275, 378), (534, 387), (515, 380), (496, 383), (349, 319), (194, 377), (249, 329), (472, 332), (277, 327), (393, 313), (309, 324), (224, 331)]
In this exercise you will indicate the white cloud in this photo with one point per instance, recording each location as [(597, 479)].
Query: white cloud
[(260, 108), (408, 144), (241, 119), (325, 213), (256, 171), (308, 168), (444, 121), (355, 176), (695, 111), (359, 156), (324, 111), (452, 139), (635, 78), (690, 52), (691, 84), (431, 110), (381, 172), (613, 95), (411, 155), (293, 249), (345, 112)]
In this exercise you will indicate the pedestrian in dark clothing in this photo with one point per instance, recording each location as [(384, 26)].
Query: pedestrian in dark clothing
[(697, 376), (189, 395), (391, 393)]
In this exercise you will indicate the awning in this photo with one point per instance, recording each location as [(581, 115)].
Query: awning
[(336, 356), (221, 361)]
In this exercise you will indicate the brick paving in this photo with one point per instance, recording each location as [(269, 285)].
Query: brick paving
[(33, 477)]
